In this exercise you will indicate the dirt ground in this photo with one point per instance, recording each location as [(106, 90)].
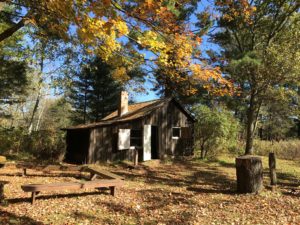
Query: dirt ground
[(191, 192)]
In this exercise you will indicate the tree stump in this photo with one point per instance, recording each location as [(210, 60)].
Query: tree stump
[(2, 161), (249, 173), (2, 197), (272, 168)]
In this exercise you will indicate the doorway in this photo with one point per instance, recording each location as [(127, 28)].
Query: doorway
[(154, 142)]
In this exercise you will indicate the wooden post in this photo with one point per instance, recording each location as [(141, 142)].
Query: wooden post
[(136, 156), (249, 172), (24, 172), (272, 168), (33, 195)]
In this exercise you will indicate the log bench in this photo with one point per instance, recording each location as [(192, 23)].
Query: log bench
[(35, 189)]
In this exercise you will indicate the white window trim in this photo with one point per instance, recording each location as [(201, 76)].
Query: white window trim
[(176, 137)]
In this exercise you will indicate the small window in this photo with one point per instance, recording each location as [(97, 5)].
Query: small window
[(136, 138), (176, 132)]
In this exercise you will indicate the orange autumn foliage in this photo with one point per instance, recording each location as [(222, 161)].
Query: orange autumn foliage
[(105, 27)]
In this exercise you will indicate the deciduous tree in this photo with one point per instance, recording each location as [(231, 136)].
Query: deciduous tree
[(107, 28)]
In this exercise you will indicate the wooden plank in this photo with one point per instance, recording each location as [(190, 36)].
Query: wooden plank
[(103, 173), (71, 185), (47, 168)]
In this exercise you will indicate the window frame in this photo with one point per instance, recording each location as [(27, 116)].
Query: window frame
[(179, 135), (136, 137)]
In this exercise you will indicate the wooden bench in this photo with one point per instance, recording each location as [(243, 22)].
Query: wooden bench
[(35, 189)]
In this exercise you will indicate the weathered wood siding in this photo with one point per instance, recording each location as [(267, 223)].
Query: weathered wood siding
[(103, 140), (167, 117)]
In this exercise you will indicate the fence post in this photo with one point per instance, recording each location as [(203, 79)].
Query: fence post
[(272, 168)]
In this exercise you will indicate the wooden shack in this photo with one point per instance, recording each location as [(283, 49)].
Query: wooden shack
[(156, 128)]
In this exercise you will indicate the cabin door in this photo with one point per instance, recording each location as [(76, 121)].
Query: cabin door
[(147, 143)]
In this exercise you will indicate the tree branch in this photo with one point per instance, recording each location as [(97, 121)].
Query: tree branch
[(13, 29)]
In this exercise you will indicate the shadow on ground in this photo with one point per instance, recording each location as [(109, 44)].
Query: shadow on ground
[(171, 175), (53, 196), (7, 218)]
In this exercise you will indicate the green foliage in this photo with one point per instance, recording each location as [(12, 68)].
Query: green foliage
[(13, 79), (10, 140), (56, 115), (260, 53), (13, 69), (215, 129), (94, 93), (278, 117), (45, 144)]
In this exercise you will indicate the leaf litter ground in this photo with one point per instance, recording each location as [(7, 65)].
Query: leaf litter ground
[(190, 192)]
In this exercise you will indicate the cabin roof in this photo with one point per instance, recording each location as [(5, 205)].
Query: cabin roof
[(135, 111)]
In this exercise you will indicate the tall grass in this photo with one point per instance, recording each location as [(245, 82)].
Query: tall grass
[(289, 149)]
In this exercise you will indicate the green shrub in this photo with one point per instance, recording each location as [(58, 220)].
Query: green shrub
[(10, 140), (289, 149), (216, 130), (43, 144)]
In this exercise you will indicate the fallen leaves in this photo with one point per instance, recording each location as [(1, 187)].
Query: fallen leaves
[(185, 193)]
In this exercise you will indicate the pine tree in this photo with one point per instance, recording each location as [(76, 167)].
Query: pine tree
[(94, 93)]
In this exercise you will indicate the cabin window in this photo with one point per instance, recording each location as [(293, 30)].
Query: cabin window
[(136, 137), (176, 132), (129, 137)]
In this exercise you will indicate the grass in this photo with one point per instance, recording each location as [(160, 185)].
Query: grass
[(190, 192)]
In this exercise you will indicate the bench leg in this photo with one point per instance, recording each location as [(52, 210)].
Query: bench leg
[(24, 172), (33, 195), (112, 191), (2, 197)]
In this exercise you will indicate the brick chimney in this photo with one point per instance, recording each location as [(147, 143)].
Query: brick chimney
[(123, 105)]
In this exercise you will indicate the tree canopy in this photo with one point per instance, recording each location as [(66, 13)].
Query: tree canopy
[(120, 32), (260, 51)]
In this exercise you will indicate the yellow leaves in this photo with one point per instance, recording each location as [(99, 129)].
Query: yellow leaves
[(121, 27), (120, 74), (102, 35), (149, 3)]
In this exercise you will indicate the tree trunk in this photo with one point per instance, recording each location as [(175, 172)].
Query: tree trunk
[(249, 172), (13, 29), (250, 128), (36, 105), (252, 116), (272, 167), (39, 96), (202, 152)]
